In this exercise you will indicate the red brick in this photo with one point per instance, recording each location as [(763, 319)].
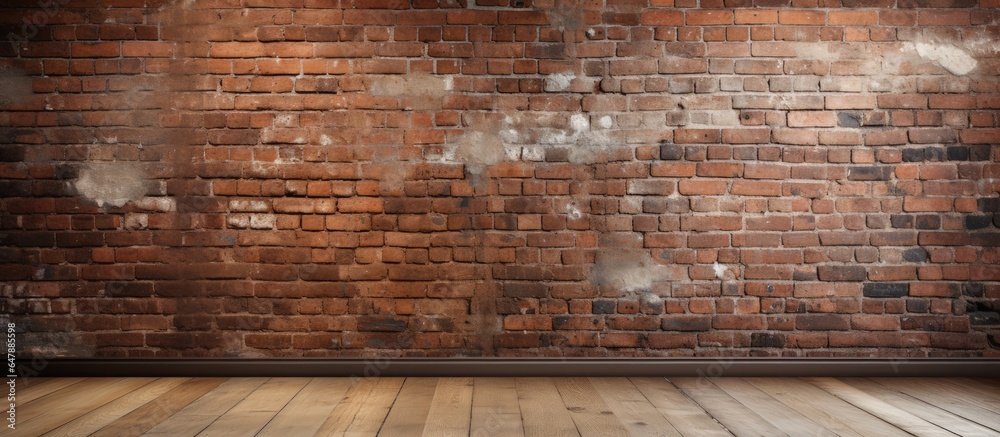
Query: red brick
[(756, 16), (670, 169), (701, 187), (850, 102), (689, 136), (96, 50), (719, 169), (523, 17), (659, 17), (756, 188), (812, 119), (801, 17), (927, 204), (980, 136), (853, 18), (360, 204), (708, 17), (902, 101), (943, 18)]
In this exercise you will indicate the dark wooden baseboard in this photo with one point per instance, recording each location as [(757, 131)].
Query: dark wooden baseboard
[(350, 367)]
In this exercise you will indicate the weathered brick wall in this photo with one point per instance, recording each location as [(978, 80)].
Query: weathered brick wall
[(501, 178)]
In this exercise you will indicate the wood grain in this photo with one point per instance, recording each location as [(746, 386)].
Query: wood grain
[(409, 413), (648, 406), (685, 415), (144, 418), (542, 409)]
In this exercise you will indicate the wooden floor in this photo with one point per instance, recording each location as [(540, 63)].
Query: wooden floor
[(291, 407)]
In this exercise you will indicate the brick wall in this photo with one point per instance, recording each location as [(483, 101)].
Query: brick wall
[(501, 178)]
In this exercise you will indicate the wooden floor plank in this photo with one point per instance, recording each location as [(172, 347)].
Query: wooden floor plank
[(30, 389), (824, 408), (53, 411), (54, 399), (981, 386), (788, 420), (409, 412), (310, 407), (542, 409), (993, 383), (632, 409), (199, 414), (739, 419), (715, 407), (93, 421), (363, 409), (144, 418), (955, 391), (927, 411), (495, 409), (590, 413), (685, 415), (883, 410), (960, 404), (796, 395), (451, 409), (251, 414)]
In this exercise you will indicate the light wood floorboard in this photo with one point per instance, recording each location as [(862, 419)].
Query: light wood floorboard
[(646, 406)]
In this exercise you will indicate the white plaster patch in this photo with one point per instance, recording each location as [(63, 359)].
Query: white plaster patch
[(605, 122), (513, 153), (557, 82), (248, 205), (630, 270), (573, 212), (579, 122), (533, 153), (952, 58), (325, 140), (238, 221), (411, 85), (510, 135), (160, 204), (112, 183), (481, 148), (136, 221), (651, 299), (725, 118), (284, 120), (262, 221), (552, 136), (720, 270)]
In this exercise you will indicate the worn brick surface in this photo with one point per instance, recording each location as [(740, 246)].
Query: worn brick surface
[(494, 178)]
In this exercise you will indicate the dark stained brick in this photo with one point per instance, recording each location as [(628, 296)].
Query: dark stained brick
[(822, 322), (604, 307), (671, 152), (901, 221), (842, 273), (886, 289), (686, 323), (928, 221), (869, 173), (973, 222), (958, 153), (915, 255), (767, 339), (381, 324)]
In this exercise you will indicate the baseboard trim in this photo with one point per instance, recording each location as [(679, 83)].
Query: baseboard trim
[(508, 367)]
